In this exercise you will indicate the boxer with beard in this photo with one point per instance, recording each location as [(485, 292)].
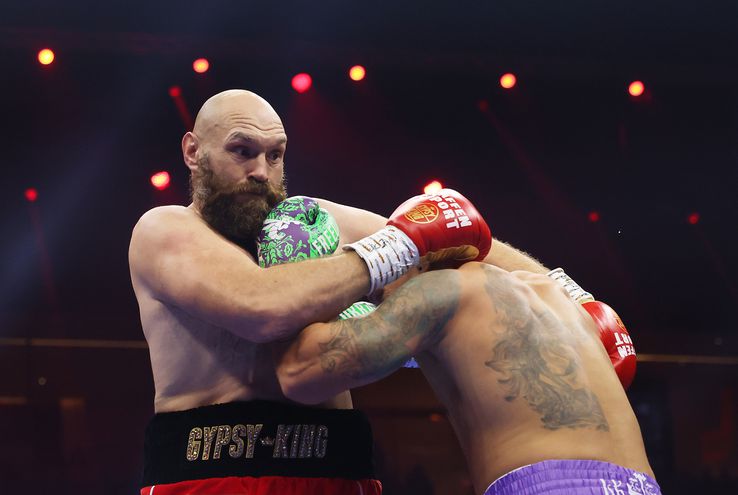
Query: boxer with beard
[(208, 312), (237, 212)]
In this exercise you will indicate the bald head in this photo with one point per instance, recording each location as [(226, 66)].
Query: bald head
[(236, 106), (231, 123), (236, 155)]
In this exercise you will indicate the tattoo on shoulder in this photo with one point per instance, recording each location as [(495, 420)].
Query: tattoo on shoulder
[(407, 321), (538, 365)]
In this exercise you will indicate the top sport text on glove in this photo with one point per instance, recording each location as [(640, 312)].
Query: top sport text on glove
[(436, 227)]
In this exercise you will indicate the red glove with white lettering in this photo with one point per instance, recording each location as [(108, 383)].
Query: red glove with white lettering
[(444, 225), (614, 336), (437, 227), (616, 340)]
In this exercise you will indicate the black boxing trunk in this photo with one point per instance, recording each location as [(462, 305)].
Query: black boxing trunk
[(247, 447)]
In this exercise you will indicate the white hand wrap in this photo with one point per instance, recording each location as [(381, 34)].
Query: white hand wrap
[(575, 292), (388, 253)]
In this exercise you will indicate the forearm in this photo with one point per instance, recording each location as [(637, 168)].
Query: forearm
[(298, 294), (176, 259), (327, 358), (508, 258)]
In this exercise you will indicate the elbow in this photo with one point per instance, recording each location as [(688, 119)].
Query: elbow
[(266, 321), (294, 387), (297, 393), (264, 331)]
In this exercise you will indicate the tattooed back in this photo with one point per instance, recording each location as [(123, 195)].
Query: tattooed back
[(524, 376)]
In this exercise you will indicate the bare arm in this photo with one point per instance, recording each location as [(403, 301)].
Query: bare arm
[(355, 224), (328, 358), (177, 259), (503, 255)]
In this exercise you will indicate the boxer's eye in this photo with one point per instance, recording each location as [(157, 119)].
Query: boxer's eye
[(275, 155), (242, 151)]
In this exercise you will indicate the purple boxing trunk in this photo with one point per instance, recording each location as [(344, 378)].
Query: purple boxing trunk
[(574, 477)]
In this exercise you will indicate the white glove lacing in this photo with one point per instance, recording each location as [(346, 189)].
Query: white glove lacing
[(388, 253)]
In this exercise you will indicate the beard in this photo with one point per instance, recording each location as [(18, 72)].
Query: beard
[(236, 212)]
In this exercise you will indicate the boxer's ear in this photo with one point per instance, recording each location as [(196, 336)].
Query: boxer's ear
[(190, 146)]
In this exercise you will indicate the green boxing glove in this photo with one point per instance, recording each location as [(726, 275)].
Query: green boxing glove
[(296, 229), (357, 310), (299, 229)]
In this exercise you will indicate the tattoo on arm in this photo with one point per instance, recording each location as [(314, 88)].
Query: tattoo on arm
[(408, 321), (537, 362)]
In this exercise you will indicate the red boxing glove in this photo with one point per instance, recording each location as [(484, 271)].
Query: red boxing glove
[(444, 226), (613, 334), (616, 340), (437, 227)]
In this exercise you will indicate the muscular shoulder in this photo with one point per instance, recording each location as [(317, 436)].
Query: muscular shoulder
[(542, 285), (353, 223), (481, 273), (163, 219), (518, 279), (166, 233), (163, 226), (550, 296), (494, 284), (157, 231)]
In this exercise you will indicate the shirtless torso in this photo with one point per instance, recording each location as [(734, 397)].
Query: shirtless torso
[(212, 316), (518, 365), (195, 360)]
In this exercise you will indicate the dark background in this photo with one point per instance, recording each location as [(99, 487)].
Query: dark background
[(89, 130)]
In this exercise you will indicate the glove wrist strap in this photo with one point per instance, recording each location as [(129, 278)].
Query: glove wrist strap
[(388, 253), (575, 291)]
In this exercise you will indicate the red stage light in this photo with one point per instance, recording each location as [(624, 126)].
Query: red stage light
[(201, 65), (46, 56), (175, 91), (31, 194), (483, 105), (636, 88), (302, 82), (693, 218), (594, 216), (435, 417), (357, 73), (508, 80), (432, 187), (160, 180)]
